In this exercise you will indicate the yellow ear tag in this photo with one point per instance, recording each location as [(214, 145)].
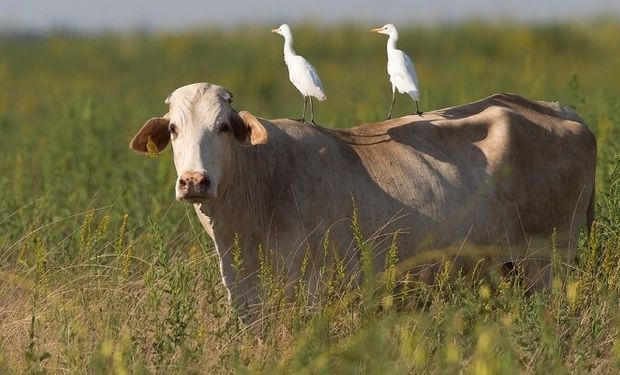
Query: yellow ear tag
[(151, 148)]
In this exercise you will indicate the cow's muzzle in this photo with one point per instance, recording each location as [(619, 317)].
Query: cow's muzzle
[(193, 186)]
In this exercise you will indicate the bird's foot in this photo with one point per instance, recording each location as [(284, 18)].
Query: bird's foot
[(298, 119), (419, 113), (313, 123)]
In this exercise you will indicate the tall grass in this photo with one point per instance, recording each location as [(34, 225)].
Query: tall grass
[(101, 271)]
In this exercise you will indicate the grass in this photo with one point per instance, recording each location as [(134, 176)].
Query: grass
[(102, 271)]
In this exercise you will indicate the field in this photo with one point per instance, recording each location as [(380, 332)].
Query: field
[(102, 271)]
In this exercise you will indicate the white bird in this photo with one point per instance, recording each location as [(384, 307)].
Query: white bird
[(303, 75), (400, 68)]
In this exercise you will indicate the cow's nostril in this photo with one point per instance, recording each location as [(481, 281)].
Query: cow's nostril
[(204, 182), (193, 183)]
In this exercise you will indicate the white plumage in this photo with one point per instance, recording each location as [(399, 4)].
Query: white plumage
[(400, 68), (300, 72)]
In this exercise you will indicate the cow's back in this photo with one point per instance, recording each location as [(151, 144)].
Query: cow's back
[(500, 171)]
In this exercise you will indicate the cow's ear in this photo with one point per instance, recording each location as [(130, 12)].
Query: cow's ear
[(153, 137), (248, 130)]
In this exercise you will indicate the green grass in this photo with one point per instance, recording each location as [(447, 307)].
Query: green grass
[(102, 271)]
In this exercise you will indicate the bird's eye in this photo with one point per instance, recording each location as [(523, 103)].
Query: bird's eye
[(224, 128), (172, 128)]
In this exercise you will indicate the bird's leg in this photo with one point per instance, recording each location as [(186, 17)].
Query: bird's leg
[(303, 115), (392, 105), (311, 111), (417, 109)]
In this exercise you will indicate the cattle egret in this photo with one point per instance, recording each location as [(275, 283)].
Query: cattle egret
[(301, 73), (400, 68)]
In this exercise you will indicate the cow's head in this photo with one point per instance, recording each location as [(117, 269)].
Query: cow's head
[(202, 127)]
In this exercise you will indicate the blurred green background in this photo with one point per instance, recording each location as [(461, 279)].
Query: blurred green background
[(69, 104), (73, 197)]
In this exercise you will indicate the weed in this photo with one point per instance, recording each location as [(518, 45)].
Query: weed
[(133, 287)]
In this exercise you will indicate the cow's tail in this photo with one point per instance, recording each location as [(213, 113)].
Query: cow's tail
[(590, 212)]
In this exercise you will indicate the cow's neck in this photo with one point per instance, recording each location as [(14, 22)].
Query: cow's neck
[(241, 195)]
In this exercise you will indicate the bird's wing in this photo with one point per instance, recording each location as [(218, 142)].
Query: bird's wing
[(305, 78), (402, 72), (410, 68)]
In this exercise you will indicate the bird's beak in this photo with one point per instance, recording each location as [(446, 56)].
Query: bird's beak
[(376, 30), (274, 30)]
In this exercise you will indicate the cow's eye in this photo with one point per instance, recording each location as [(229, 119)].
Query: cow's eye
[(224, 128), (172, 128)]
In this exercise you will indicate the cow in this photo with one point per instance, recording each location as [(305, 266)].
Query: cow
[(503, 173)]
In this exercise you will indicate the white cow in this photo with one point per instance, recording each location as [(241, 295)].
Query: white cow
[(502, 173)]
